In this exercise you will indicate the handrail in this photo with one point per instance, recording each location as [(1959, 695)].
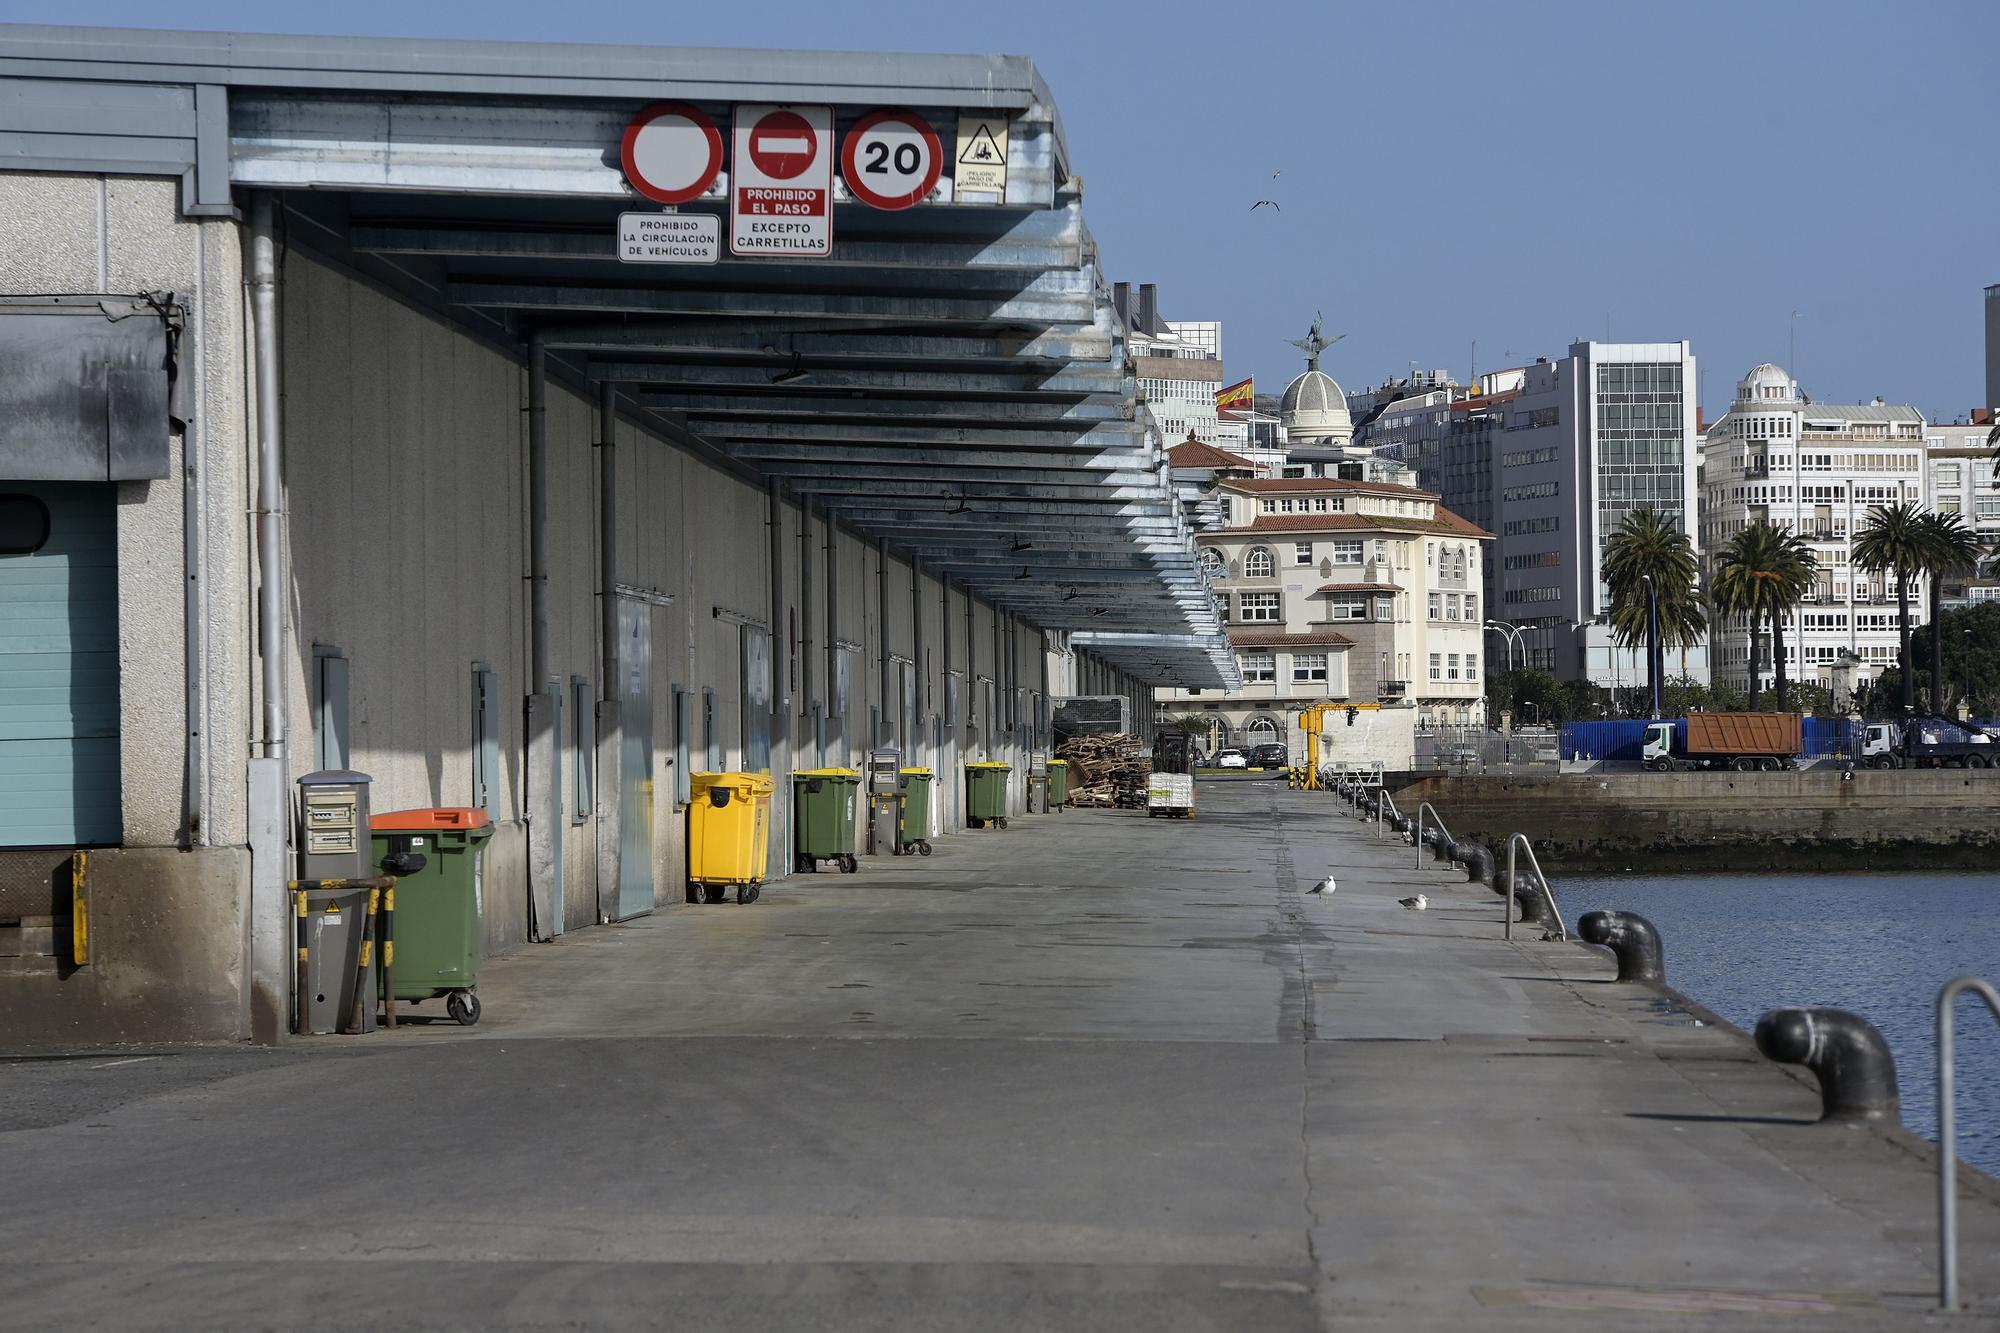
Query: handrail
[(1548, 892), (1383, 798), (1947, 1073), (1437, 819)]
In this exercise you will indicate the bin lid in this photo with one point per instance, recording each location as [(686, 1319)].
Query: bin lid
[(750, 783), (990, 764), (431, 818), (1058, 763), (916, 772), (827, 773)]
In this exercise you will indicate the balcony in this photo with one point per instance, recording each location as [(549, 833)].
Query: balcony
[(1392, 689)]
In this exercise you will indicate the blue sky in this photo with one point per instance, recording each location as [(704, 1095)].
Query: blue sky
[(1521, 174)]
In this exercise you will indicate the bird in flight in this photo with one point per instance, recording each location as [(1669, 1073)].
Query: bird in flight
[(1262, 202), (1416, 904)]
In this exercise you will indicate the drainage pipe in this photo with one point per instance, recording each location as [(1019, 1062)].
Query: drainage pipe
[(538, 513), (270, 473), (607, 536)]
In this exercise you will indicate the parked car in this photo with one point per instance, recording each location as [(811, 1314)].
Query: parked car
[(1269, 755), (1231, 759)]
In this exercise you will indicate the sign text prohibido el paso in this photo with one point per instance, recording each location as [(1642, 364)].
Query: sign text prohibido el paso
[(781, 182)]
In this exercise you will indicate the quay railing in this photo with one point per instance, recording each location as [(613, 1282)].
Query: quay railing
[(1436, 819), (1519, 842), (1384, 801), (1947, 1114)]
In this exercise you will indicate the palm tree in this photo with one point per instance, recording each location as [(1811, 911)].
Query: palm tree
[(1765, 570), (1895, 538), (1954, 549), (1649, 545), (1993, 442)]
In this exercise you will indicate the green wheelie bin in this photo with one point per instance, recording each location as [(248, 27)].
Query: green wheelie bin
[(823, 818), (913, 826), (430, 936), (1059, 784), (986, 794)]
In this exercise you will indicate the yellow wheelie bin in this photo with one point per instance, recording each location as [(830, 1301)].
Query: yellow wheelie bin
[(729, 827)]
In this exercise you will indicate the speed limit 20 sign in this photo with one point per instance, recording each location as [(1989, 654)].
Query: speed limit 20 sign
[(891, 159)]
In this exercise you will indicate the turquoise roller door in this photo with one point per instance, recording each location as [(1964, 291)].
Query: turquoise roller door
[(58, 665)]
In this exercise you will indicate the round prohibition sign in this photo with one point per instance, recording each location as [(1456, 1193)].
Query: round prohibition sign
[(671, 152), (891, 159)]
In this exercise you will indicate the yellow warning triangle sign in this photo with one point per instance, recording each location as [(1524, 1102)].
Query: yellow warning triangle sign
[(983, 150)]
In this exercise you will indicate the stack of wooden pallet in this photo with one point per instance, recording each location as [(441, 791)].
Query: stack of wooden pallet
[(1104, 768)]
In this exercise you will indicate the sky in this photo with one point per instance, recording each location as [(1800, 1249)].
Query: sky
[(1752, 177)]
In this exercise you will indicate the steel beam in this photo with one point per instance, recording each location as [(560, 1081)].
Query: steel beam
[(1041, 302)]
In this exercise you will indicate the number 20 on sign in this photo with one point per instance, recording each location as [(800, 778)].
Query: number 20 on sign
[(891, 160)]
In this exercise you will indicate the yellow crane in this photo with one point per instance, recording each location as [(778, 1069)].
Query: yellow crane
[(1313, 719)]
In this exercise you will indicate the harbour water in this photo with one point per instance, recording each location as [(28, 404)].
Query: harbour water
[(1880, 945)]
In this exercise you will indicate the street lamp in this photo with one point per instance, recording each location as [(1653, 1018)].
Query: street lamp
[(1967, 655), (1512, 633)]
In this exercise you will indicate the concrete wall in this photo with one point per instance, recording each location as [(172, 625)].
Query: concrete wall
[(1745, 821), (168, 904)]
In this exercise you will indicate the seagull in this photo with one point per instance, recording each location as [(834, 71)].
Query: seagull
[(1261, 202), (1416, 904), (1324, 886)]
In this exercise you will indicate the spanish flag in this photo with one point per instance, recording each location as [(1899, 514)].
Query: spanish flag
[(1239, 397)]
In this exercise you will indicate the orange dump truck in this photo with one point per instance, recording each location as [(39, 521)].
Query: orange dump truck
[(1746, 742)]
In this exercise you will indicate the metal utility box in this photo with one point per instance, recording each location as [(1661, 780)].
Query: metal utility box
[(333, 926), (885, 800), (333, 825), (1038, 782)]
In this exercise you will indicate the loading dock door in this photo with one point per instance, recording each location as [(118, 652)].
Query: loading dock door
[(58, 666)]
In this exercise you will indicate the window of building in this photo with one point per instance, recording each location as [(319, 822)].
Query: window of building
[(1258, 608), (1472, 666), (1347, 553), (1302, 553), (1319, 505), (1451, 606), (1472, 607), (1308, 667), (1259, 563), (1437, 666), (1270, 506), (1284, 506), (1437, 606), (1350, 606), (1451, 666), (1259, 668), (582, 751)]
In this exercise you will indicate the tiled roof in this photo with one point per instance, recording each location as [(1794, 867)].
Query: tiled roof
[(1359, 587), (1194, 453), (1446, 523), (1277, 638)]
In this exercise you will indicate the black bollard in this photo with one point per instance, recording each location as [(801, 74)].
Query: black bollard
[(1534, 902), (1476, 859), (1857, 1075), (1632, 938)]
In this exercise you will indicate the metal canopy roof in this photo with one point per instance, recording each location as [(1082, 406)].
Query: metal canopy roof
[(953, 381)]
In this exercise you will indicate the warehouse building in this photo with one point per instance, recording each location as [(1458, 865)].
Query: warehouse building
[(353, 414)]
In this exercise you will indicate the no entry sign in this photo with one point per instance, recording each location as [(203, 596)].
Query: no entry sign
[(781, 181), (671, 152), (891, 159)]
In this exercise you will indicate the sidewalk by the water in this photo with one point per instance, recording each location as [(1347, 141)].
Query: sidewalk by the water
[(1092, 1072)]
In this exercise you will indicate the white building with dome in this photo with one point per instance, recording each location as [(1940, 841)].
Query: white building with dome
[(1815, 468)]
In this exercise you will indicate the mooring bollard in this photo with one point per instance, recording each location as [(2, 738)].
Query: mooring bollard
[(1477, 860), (1857, 1075), (1535, 909), (1633, 939)]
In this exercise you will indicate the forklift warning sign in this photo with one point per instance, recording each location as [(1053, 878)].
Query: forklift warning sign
[(781, 182)]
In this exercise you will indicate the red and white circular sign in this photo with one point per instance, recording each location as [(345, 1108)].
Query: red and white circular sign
[(891, 159), (671, 152), (783, 145)]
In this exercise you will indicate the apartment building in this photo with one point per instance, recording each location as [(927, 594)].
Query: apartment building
[(1352, 591), (1178, 364), (1963, 481), (1815, 468)]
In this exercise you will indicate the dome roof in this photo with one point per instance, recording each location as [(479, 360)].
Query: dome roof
[(1313, 406), (1766, 383)]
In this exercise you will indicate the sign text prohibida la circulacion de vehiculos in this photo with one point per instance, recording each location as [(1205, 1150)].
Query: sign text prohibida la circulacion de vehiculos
[(781, 182)]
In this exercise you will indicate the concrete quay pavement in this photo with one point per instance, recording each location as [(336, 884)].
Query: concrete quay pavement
[(1093, 1072)]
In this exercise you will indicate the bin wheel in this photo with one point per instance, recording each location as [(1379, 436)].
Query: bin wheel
[(748, 894), (848, 865), (924, 847), (1002, 823), (463, 1006), (713, 893)]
